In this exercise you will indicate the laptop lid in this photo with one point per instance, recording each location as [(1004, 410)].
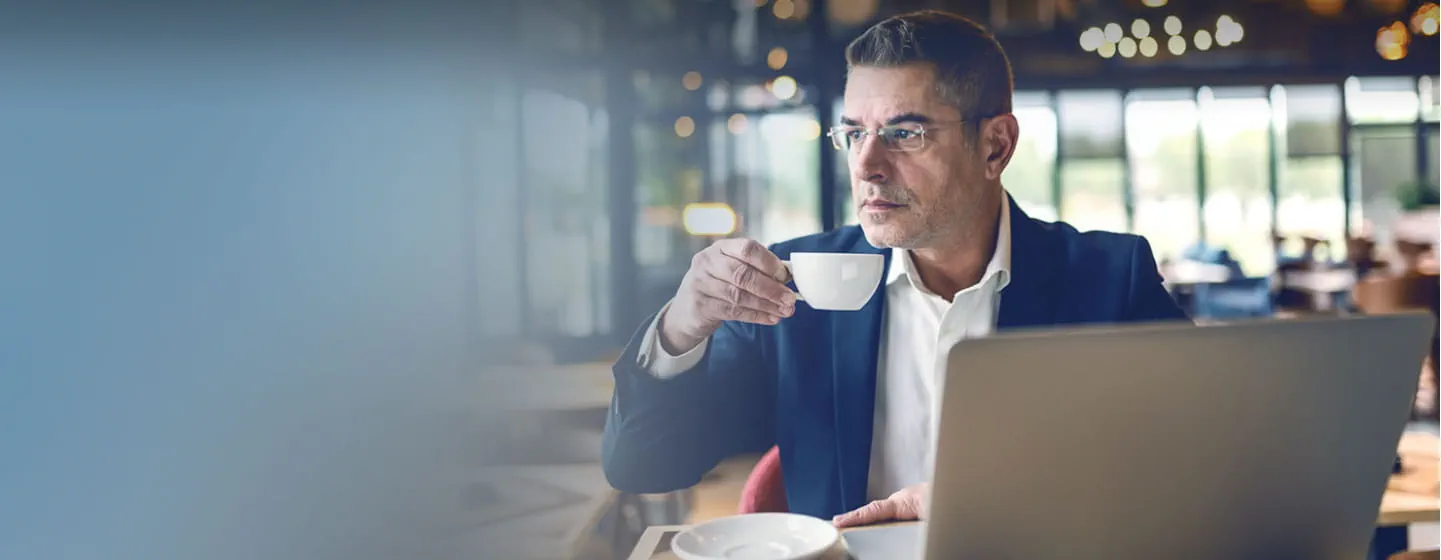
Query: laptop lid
[(1260, 439)]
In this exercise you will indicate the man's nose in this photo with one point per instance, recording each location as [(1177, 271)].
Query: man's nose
[(870, 160)]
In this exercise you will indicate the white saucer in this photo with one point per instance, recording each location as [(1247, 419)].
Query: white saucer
[(757, 536)]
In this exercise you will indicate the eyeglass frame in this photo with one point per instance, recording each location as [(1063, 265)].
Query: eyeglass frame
[(923, 127)]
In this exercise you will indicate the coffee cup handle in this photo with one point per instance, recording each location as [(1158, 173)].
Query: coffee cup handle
[(792, 274)]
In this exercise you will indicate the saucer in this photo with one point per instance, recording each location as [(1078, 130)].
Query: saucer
[(757, 536)]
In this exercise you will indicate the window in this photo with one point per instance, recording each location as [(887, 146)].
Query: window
[(1092, 196), (1384, 162), (1310, 199), (666, 180), (1235, 126), (1376, 100), (780, 161), (846, 213), (565, 215), (1031, 172), (1432, 173), (1090, 123), (1161, 142), (1430, 87), (1092, 170)]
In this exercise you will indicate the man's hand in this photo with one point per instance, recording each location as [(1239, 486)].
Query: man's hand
[(910, 504), (732, 280)]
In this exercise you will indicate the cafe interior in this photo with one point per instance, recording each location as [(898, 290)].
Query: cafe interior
[(1280, 156)]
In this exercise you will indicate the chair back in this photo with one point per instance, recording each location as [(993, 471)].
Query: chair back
[(764, 490)]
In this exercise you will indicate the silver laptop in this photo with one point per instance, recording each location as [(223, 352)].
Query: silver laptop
[(1268, 439)]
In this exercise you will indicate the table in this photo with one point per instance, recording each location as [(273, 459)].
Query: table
[(1411, 497), (1189, 273)]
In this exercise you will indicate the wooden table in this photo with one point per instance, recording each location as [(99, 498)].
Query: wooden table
[(1411, 497)]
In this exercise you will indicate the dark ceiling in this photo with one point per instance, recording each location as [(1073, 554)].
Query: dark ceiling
[(1284, 40)]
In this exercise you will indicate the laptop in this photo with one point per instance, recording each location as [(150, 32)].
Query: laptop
[(1265, 439)]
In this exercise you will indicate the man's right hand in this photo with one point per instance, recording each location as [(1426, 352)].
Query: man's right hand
[(732, 280)]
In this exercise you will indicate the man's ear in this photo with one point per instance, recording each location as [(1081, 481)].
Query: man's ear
[(998, 140)]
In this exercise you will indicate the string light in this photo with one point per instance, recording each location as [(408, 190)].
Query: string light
[(1393, 42), (777, 58), (1141, 28), (1149, 47), (1177, 45), (1172, 25), (684, 127), (784, 9), (1203, 40), (691, 80), (1114, 32), (1424, 22), (1127, 47), (784, 87), (1326, 7), (737, 124)]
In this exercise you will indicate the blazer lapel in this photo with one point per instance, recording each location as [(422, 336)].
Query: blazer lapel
[(855, 343), (1030, 298)]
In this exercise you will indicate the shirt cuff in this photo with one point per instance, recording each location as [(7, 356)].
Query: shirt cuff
[(653, 356)]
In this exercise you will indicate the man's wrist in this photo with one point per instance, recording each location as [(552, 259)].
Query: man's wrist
[(674, 343)]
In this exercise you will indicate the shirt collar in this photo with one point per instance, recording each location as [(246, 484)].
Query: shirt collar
[(902, 267)]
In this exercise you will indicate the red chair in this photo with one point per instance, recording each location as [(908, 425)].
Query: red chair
[(765, 490)]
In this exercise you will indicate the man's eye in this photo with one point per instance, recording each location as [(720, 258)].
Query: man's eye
[(902, 134), (855, 134)]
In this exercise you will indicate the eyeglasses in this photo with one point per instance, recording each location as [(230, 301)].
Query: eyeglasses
[(903, 137)]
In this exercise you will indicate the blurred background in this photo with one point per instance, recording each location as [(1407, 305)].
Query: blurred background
[(344, 280), (1204, 126), (1280, 155)]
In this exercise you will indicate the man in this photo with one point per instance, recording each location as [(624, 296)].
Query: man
[(733, 364)]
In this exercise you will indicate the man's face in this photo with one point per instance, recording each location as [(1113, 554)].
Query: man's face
[(910, 199)]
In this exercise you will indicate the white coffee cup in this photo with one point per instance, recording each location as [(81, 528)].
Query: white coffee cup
[(836, 281)]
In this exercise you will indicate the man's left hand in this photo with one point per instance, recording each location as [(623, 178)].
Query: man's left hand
[(907, 505)]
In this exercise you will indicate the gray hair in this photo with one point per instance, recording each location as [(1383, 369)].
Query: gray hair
[(973, 73)]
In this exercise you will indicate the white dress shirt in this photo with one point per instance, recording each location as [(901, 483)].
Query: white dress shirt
[(920, 329)]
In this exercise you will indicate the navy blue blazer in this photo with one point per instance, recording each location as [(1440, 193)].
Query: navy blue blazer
[(808, 384)]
